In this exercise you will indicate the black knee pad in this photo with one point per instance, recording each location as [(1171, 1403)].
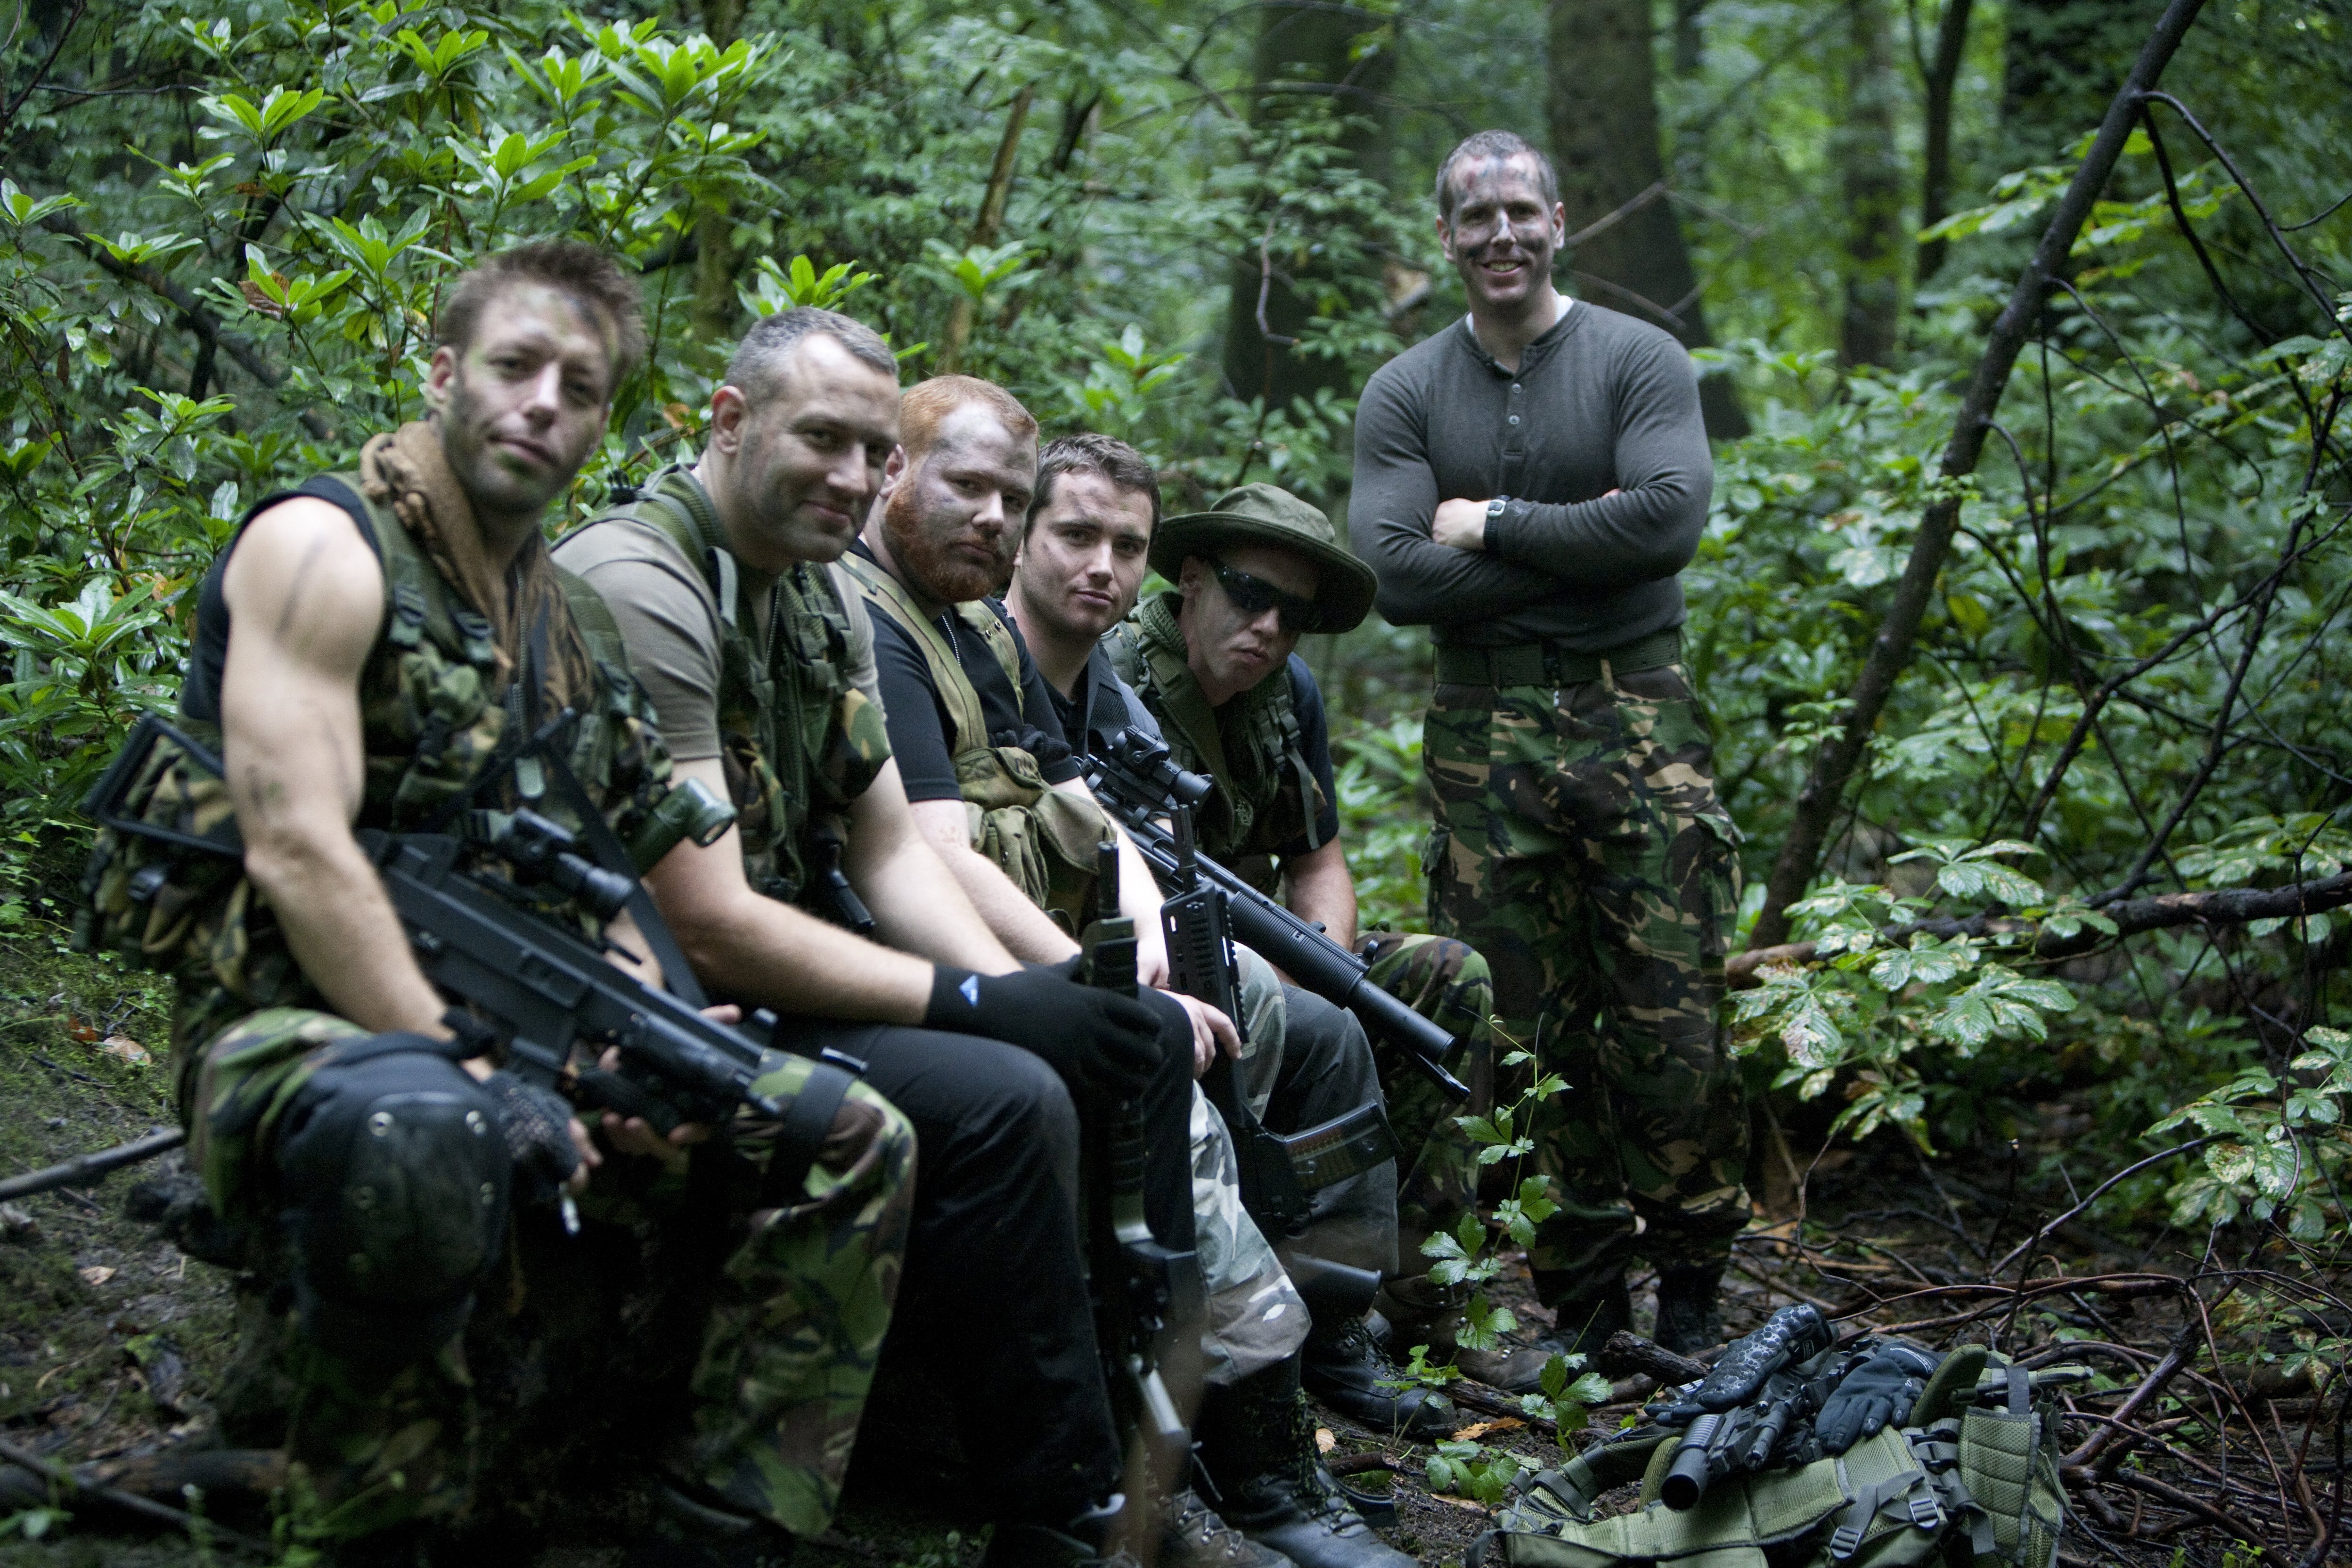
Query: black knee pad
[(395, 1179)]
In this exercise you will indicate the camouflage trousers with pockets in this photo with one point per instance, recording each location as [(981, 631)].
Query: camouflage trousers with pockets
[(738, 1340), (1445, 981), (1579, 847)]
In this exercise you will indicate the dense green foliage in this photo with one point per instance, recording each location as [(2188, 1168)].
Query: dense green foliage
[(225, 227)]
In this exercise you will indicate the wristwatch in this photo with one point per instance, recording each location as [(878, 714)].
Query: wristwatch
[(1496, 508)]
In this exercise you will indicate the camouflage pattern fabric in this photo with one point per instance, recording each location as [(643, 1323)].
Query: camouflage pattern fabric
[(1446, 982), (1580, 848), (787, 1303), (1255, 1316)]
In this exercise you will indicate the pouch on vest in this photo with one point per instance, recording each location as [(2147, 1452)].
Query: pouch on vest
[(167, 847), (1047, 840)]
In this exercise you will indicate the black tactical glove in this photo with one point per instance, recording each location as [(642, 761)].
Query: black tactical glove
[(538, 1127), (1103, 1043), (1879, 1393)]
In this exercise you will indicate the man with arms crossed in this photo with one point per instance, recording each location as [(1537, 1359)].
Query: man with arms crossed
[(366, 647), (1530, 483), (760, 664)]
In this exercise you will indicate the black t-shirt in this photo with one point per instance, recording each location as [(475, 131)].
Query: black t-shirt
[(1315, 745), (1100, 705), (917, 717)]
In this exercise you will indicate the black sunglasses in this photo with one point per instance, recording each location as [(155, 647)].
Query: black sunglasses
[(1256, 595)]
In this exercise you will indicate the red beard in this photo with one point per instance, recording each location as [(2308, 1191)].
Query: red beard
[(931, 567)]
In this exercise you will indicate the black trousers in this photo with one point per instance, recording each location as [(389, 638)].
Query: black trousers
[(993, 1306)]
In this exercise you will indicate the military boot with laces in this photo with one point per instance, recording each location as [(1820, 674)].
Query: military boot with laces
[(1195, 1537), (1345, 1368), (1259, 1447)]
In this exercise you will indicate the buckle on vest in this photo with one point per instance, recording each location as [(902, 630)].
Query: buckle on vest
[(1923, 1511), (407, 613), (1844, 1540)]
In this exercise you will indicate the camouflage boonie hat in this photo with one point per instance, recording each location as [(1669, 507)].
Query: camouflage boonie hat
[(1268, 514)]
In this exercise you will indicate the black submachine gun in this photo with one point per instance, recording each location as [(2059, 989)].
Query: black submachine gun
[(1139, 782)]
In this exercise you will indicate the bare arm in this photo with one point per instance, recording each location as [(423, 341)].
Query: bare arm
[(305, 597), (914, 897), (1321, 889), (764, 951), (1021, 926)]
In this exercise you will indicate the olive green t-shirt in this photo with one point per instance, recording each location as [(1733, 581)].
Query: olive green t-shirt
[(669, 618)]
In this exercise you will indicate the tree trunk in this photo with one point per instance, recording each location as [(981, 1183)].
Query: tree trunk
[(1935, 174), (1690, 36), (2059, 58), (1603, 109), (1838, 758), (714, 252), (1872, 174), (1307, 52)]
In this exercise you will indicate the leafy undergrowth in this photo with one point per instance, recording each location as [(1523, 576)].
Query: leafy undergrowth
[(111, 1343)]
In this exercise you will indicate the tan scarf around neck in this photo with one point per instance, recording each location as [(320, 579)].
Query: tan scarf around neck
[(408, 471)]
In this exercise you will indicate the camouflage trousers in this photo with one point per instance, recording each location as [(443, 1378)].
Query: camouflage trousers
[(1579, 847), (738, 1333), (1445, 981), (1255, 1316)]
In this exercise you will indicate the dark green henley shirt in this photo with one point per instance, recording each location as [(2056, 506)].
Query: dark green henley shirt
[(1600, 402)]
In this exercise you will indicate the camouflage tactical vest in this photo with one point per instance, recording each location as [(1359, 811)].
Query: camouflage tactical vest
[(1044, 839), (1266, 795), (799, 743), (433, 720)]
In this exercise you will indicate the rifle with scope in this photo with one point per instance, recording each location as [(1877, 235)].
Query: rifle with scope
[(1137, 780), (536, 986)]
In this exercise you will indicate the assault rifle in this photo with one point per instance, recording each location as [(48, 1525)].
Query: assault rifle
[(1135, 778), (535, 985), (1138, 1283)]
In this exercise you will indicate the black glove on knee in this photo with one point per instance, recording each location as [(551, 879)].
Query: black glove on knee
[(538, 1127), (1878, 1393), (1102, 1044)]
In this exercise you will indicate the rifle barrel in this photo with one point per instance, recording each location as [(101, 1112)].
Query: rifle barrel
[(88, 1167)]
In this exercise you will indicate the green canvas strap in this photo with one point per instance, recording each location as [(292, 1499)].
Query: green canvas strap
[(968, 727)]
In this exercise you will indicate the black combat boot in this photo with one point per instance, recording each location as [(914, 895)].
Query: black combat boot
[(1343, 1367), (1581, 1325), (697, 1530), (1689, 1319), (1259, 1447)]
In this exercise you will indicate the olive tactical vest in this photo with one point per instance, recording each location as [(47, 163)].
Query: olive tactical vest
[(1266, 795), (799, 743), (433, 723), (1046, 840)]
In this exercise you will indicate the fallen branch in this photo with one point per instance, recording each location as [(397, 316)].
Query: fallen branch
[(200, 1531), (2221, 906), (86, 1168)]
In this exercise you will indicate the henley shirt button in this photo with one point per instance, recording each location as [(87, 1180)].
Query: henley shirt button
[(1515, 419), (1515, 386)]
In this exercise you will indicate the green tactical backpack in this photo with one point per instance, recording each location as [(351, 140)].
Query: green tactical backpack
[(1973, 1481)]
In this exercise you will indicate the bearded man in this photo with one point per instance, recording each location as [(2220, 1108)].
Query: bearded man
[(827, 903), (990, 771), (376, 649)]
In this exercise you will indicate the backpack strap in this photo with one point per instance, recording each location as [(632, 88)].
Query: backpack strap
[(967, 726)]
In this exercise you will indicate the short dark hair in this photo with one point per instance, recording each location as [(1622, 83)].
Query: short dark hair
[(758, 360), (1488, 145), (589, 277), (1088, 453)]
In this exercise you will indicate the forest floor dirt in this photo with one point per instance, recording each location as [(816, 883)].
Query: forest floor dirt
[(112, 1344)]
